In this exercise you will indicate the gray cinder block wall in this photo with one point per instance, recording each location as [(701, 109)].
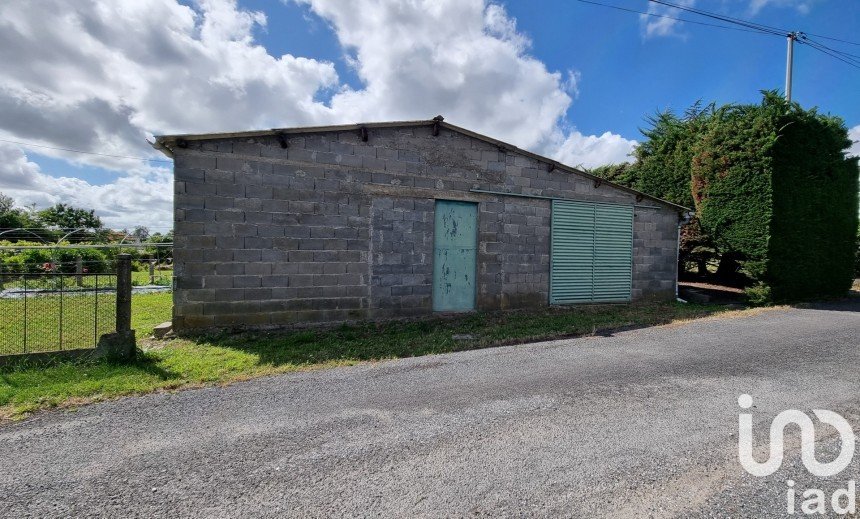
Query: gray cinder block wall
[(296, 227)]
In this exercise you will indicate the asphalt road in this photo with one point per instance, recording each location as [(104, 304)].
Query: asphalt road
[(636, 424)]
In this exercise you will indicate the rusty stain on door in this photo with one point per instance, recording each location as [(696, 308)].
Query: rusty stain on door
[(454, 256)]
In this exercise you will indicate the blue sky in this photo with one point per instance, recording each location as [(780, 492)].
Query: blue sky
[(563, 78), (625, 75)]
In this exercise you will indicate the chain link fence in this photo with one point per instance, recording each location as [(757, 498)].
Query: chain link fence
[(55, 310)]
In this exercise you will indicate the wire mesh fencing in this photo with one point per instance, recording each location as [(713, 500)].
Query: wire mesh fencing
[(64, 297), (55, 310), (153, 274)]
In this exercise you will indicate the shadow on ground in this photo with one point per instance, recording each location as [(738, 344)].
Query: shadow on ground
[(367, 341), (851, 303), (709, 293)]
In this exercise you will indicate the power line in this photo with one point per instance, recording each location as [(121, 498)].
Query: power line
[(724, 18), (830, 52), (28, 144), (670, 17), (850, 57), (745, 26), (848, 54), (842, 56), (834, 39)]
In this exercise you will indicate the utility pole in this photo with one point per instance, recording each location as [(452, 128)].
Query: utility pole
[(789, 62)]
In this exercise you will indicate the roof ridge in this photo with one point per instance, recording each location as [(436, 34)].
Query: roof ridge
[(161, 142)]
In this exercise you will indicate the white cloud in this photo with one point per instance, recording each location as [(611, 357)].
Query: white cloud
[(110, 71), (571, 82), (141, 198), (801, 6), (661, 25), (854, 135), (459, 58), (102, 76), (590, 151), (465, 60), (656, 26)]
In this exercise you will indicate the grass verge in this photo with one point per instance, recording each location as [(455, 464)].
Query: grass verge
[(226, 358), (150, 310)]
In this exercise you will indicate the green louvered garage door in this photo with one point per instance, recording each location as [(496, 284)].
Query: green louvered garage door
[(592, 252)]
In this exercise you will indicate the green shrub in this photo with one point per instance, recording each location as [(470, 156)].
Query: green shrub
[(857, 256), (663, 160), (730, 180), (772, 184), (624, 174), (759, 294), (775, 195), (34, 261), (814, 225)]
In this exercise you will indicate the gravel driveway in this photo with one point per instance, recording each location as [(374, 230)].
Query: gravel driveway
[(640, 423)]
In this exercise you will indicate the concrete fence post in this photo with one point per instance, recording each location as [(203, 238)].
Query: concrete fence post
[(152, 272), (123, 293), (120, 345)]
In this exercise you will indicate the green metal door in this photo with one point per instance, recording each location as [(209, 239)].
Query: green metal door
[(454, 256), (572, 255), (592, 252), (613, 252)]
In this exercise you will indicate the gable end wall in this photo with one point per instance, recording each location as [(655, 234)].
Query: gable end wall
[(332, 228)]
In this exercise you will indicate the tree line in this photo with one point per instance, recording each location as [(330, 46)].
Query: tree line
[(24, 231), (774, 193), (65, 223)]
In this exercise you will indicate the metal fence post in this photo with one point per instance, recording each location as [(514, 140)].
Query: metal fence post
[(123, 293), (61, 311), (24, 279), (96, 312), (79, 270)]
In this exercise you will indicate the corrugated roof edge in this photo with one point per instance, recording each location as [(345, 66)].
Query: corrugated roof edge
[(162, 144)]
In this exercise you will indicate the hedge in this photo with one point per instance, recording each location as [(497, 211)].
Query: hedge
[(814, 225), (33, 261), (772, 187), (62, 258), (771, 183)]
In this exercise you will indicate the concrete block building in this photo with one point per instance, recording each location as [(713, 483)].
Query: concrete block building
[(338, 223)]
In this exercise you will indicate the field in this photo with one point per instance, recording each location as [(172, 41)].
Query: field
[(225, 358), (149, 310), (84, 317), (70, 282), (161, 278)]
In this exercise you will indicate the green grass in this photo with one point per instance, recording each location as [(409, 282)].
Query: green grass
[(69, 281), (149, 310), (162, 277), (84, 316), (225, 358), (80, 326)]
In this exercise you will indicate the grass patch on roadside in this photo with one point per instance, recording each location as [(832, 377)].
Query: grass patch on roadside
[(226, 357), (150, 310)]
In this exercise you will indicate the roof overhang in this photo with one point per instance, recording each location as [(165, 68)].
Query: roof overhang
[(167, 143)]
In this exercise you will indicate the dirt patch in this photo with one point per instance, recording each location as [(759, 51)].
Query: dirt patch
[(708, 293)]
